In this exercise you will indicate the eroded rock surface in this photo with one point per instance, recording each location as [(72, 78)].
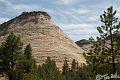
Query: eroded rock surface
[(45, 37)]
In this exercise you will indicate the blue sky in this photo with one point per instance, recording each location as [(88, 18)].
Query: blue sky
[(77, 18)]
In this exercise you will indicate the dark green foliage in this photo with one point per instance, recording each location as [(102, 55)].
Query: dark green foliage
[(65, 69), (111, 29), (84, 73), (74, 71), (20, 65), (10, 49), (97, 56), (26, 64), (104, 56), (28, 52), (29, 62), (31, 76), (50, 71), (15, 63), (74, 65)]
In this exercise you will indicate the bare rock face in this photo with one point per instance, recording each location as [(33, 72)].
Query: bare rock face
[(84, 44), (45, 37)]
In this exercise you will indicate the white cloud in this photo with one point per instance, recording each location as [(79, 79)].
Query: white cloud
[(25, 7), (3, 20), (12, 7), (67, 1), (93, 18), (80, 26), (16, 9), (71, 15), (6, 2), (81, 11), (80, 31), (77, 11)]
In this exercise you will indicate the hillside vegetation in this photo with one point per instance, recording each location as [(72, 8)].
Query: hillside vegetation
[(103, 58)]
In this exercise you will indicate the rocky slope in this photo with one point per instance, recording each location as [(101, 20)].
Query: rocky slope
[(45, 37), (84, 44)]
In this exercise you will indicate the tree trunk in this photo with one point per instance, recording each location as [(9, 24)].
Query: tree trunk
[(112, 52)]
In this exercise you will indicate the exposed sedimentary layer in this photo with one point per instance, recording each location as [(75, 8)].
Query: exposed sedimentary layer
[(45, 37)]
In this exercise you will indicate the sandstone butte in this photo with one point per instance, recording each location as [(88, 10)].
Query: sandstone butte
[(46, 39)]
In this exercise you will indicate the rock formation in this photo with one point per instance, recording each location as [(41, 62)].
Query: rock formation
[(45, 37), (84, 44)]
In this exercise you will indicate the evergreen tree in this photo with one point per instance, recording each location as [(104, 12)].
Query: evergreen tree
[(26, 64), (65, 70), (50, 71), (20, 67), (104, 55), (110, 29), (96, 58), (74, 71), (2, 68), (10, 49), (84, 74), (28, 58), (74, 65), (28, 52), (31, 76), (40, 72)]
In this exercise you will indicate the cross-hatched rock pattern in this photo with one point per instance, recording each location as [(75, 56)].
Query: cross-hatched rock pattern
[(45, 37)]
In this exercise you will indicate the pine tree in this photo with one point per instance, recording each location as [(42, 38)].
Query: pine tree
[(74, 65), (26, 66), (10, 49), (110, 29), (96, 58), (84, 74), (20, 67), (28, 58), (40, 72), (2, 68), (28, 52), (73, 73), (65, 70), (50, 71), (104, 55)]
